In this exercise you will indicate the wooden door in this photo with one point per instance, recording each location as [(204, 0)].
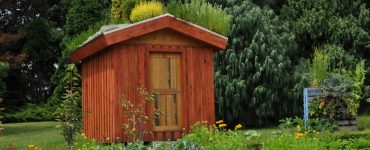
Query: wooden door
[(165, 80)]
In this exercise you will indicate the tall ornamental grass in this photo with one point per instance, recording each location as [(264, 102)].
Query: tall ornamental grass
[(204, 14), (319, 67), (145, 10)]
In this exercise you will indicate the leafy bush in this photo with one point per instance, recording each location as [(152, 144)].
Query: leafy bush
[(358, 82), (30, 112), (145, 10), (4, 66), (1, 115), (116, 11), (126, 7), (314, 124), (217, 138), (363, 122), (204, 14), (316, 141), (69, 112)]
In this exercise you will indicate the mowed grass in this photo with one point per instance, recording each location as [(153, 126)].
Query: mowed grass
[(41, 134)]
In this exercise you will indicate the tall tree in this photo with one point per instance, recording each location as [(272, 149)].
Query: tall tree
[(252, 83), (29, 42), (42, 48)]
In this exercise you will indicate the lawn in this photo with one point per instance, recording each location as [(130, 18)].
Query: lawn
[(44, 134), (47, 136)]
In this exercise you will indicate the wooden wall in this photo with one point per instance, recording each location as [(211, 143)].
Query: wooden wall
[(122, 68)]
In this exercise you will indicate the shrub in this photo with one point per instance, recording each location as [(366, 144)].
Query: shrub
[(1, 115), (204, 14), (126, 7), (218, 138), (30, 112), (116, 11), (335, 97), (69, 112), (314, 124), (145, 10), (363, 122), (136, 115)]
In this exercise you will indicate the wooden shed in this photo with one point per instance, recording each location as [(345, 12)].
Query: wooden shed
[(164, 53)]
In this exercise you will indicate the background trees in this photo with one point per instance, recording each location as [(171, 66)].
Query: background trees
[(261, 76), (258, 79)]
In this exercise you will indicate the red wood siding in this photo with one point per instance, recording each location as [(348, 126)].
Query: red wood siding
[(123, 68)]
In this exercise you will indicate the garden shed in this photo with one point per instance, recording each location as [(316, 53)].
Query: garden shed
[(165, 54)]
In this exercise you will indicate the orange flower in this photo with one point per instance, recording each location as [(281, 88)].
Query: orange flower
[(299, 135)]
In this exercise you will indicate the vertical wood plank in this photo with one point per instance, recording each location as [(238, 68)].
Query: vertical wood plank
[(159, 136), (190, 88), (176, 135), (211, 95), (168, 135)]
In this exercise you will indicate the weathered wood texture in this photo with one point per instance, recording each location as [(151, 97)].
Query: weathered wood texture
[(122, 68)]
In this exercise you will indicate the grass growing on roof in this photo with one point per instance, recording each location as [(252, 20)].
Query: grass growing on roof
[(74, 42), (204, 14)]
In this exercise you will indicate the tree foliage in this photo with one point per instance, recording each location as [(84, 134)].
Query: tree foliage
[(317, 22), (3, 73), (252, 75), (84, 18), (81, 15)]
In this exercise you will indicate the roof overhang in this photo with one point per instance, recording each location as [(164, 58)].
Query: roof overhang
[(131, 31)]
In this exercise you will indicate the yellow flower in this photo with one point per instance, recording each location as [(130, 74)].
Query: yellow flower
[(222, 125), (298, 135), (31, 146), (238, 126), (83, 135), (322, 104), (219, 122)]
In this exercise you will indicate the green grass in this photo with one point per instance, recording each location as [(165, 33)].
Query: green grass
[(42, 134)]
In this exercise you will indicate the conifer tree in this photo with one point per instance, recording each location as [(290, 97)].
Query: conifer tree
[(252, 77)]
